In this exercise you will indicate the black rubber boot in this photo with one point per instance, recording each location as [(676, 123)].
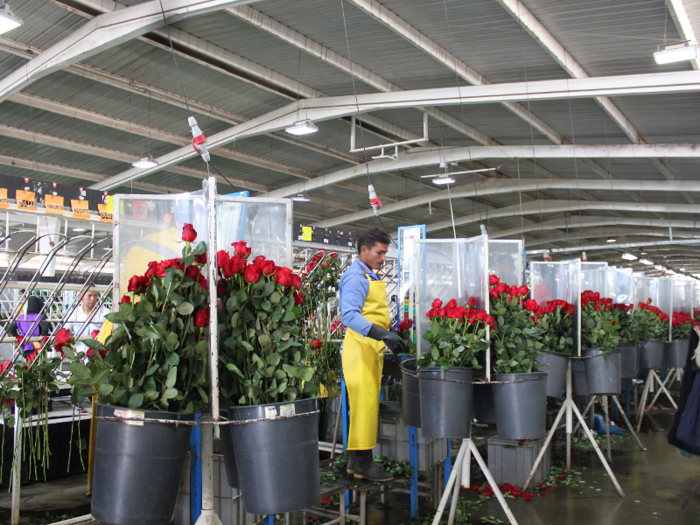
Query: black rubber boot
[(350, 468), (366, 468)]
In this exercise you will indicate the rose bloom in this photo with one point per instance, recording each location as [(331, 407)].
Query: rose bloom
[(315, 344), (201, 259), (406, 324), (125, 300), (188, 233), (241, 248), (296, 281), (298, 298), (222, 258), (493, 280), (283, 276), (201, 317), (268, 267), (252, 273)]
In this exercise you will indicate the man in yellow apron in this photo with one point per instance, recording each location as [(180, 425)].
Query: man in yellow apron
[(365, 313)]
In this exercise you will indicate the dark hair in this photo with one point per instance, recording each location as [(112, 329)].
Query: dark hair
[(371, 237)]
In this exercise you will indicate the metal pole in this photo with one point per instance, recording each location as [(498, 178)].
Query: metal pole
[(413, 458), (16, 469), (208, 515), (492, 482), (627, 422), (463, 449)]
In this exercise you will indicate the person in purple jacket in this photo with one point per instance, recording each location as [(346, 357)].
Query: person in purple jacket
[(25, 322)]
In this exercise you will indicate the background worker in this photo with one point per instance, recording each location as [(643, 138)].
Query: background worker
[(365, 313), (78, 320)]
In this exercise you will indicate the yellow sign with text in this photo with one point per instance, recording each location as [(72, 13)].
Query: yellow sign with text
[(54, 205), (80, 209)]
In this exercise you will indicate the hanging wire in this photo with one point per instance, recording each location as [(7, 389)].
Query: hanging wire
[(172, 50)]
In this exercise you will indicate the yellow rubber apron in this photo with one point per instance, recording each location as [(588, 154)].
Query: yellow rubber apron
[(362, 369)]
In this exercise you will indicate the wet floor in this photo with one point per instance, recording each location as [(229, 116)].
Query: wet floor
[(661, 487)]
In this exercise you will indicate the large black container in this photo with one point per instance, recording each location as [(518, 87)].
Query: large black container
[(521, 405), (446, 401), (652, 354), (229, 458), (677, 353), (629, 360), (138, 468), (555, 364), (410, 397), (578, 377), (277, 455), (484, 411), (602, 373)]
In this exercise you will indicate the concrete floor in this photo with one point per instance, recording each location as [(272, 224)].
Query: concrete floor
[(661, 485)]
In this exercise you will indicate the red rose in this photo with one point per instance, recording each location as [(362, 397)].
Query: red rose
[(296, 281), (222, 258), (192, 272), (252, 273), (481, 315), (523, 290), (452, 304), (597, 308), (437, 303), (201, 259), (283, 276), (493, 293), (406, 324), (220, 290), (188, 233), (136, 283), (94, 334), (569, 309), (259, 260), (315, 344), (442, 312), (298, 299), (614, 323), (19, 339), (63, 337), (125, 300), (530, 305), (235, 266), (334, 255), (201, 318), (203, 282), (241, 249), (471, 301), (502, 288), (493, 280), (268, 267)]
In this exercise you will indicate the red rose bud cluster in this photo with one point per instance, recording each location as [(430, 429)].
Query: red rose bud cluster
[(599, 303), (238, 265), (188, 233), (498, 288), (681, 318), (405, 325), (653, 309), (320, 259), (315, 344), (452, 311), (63, 338)]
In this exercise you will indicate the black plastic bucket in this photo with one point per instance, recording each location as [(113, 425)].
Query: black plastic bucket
[(484, 411), (555, 364), (602, 373), (521, 405), (276, 452), (578, 377), (138, 468), (629, 360), (652, 354), (410, 397), (229, 458), (677, 352), (446, 401)]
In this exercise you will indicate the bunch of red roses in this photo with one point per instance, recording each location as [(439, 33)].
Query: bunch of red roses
[(681, 325), (654, 309), (452, 311), (599, 322)]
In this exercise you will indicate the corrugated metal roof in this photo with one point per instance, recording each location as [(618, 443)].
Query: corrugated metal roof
[(45, 24)]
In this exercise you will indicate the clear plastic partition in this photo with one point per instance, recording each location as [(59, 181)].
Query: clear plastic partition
[(619, 285), (449, 269), (591, 278), (506, 260), (646, 288), (683, 297), (559, 280), (666, 300), (265, 224), (149, 228)]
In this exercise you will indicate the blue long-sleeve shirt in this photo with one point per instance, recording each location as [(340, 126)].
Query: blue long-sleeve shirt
[(354, 288)]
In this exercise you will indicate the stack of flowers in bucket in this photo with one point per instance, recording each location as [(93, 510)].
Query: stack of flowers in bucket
[(653, 325), (519, 389), (599, 340), (457, 337), (677, 349), (273, 440)]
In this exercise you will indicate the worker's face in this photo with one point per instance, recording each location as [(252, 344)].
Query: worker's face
[(375, 256), (89, 300)]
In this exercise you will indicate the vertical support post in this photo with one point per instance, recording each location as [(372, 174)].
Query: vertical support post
[(270, 520), (196, 471), (448, 463), (16, 469), (604, 402), (345, 408), (7, 230), (413, 457), (352, 134), (569, 418)]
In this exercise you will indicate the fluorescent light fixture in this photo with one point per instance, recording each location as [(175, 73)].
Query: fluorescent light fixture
[(302, 127), (145, 162), (8, 20), (682, 269), (646, 262), (79, 230), (301, 197), (610, 239), (629, 257), (443, 179), (670, 272), (677, 53), (643, 253), (659, 267)]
